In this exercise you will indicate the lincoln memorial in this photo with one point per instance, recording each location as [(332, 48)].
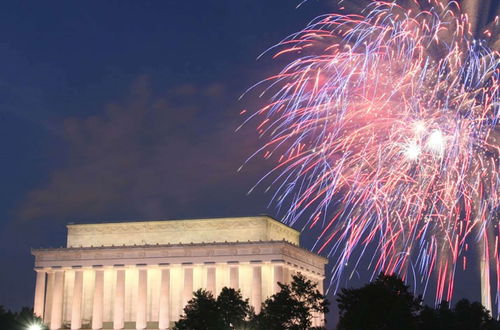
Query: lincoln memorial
[(140, 275)]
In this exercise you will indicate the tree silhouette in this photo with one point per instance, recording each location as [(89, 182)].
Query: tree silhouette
[(7, 318), (464, 316), (21, 320), (200, 313), (292, 307), (387, 304), (205, 312), (440, 318), (473, 316), (233, 310), (384, 304)]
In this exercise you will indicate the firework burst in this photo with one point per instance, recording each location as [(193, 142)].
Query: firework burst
[(385, 132)]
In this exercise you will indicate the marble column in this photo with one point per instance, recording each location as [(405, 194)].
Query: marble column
[(188, 284), (315, 315), (315, 319), (320, 284), (234, 275), (48, 296), (278, 276), (211, 277), (287, 277), (39, 302), (257, 286), (295, 272), (164, 317), (321, 290), (76, 304), (119, 307), (97, 306), (56, 316), (292, 271), (142, 295)]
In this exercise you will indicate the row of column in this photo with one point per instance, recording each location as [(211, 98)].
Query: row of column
[(51, 309), (50, 306)]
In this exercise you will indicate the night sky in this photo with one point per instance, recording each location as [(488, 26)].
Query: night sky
[(126, 111)]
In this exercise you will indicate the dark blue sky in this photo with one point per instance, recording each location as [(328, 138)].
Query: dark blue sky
[(126, 110)]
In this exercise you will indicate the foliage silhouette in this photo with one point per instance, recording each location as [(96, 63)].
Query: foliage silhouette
[(19, 320), (387, 304), (233, 310), (205, 312), (464, 316), (292, 307)]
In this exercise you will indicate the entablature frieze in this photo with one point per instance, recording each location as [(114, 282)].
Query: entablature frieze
[(179, 254)]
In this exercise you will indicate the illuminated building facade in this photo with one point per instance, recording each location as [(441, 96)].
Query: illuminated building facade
[(138, 275)]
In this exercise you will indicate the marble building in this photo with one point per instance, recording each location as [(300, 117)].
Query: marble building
[(139, 275)]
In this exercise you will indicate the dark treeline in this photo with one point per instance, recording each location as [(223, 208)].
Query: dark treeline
[(384, 304), (293, 307), (22, 320), (388, 304)]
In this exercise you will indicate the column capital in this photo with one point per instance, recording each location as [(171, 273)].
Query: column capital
[(119, 266), (40, 269), (164, 265), (256, 262), (142, 266), (187, 265)]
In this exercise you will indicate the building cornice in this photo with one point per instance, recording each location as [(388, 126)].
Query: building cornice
[(178, 253)]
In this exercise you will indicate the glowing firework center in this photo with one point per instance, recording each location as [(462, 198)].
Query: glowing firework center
[(139, 275)]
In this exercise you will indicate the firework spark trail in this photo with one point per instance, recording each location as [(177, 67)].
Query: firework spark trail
[(385, 129)]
